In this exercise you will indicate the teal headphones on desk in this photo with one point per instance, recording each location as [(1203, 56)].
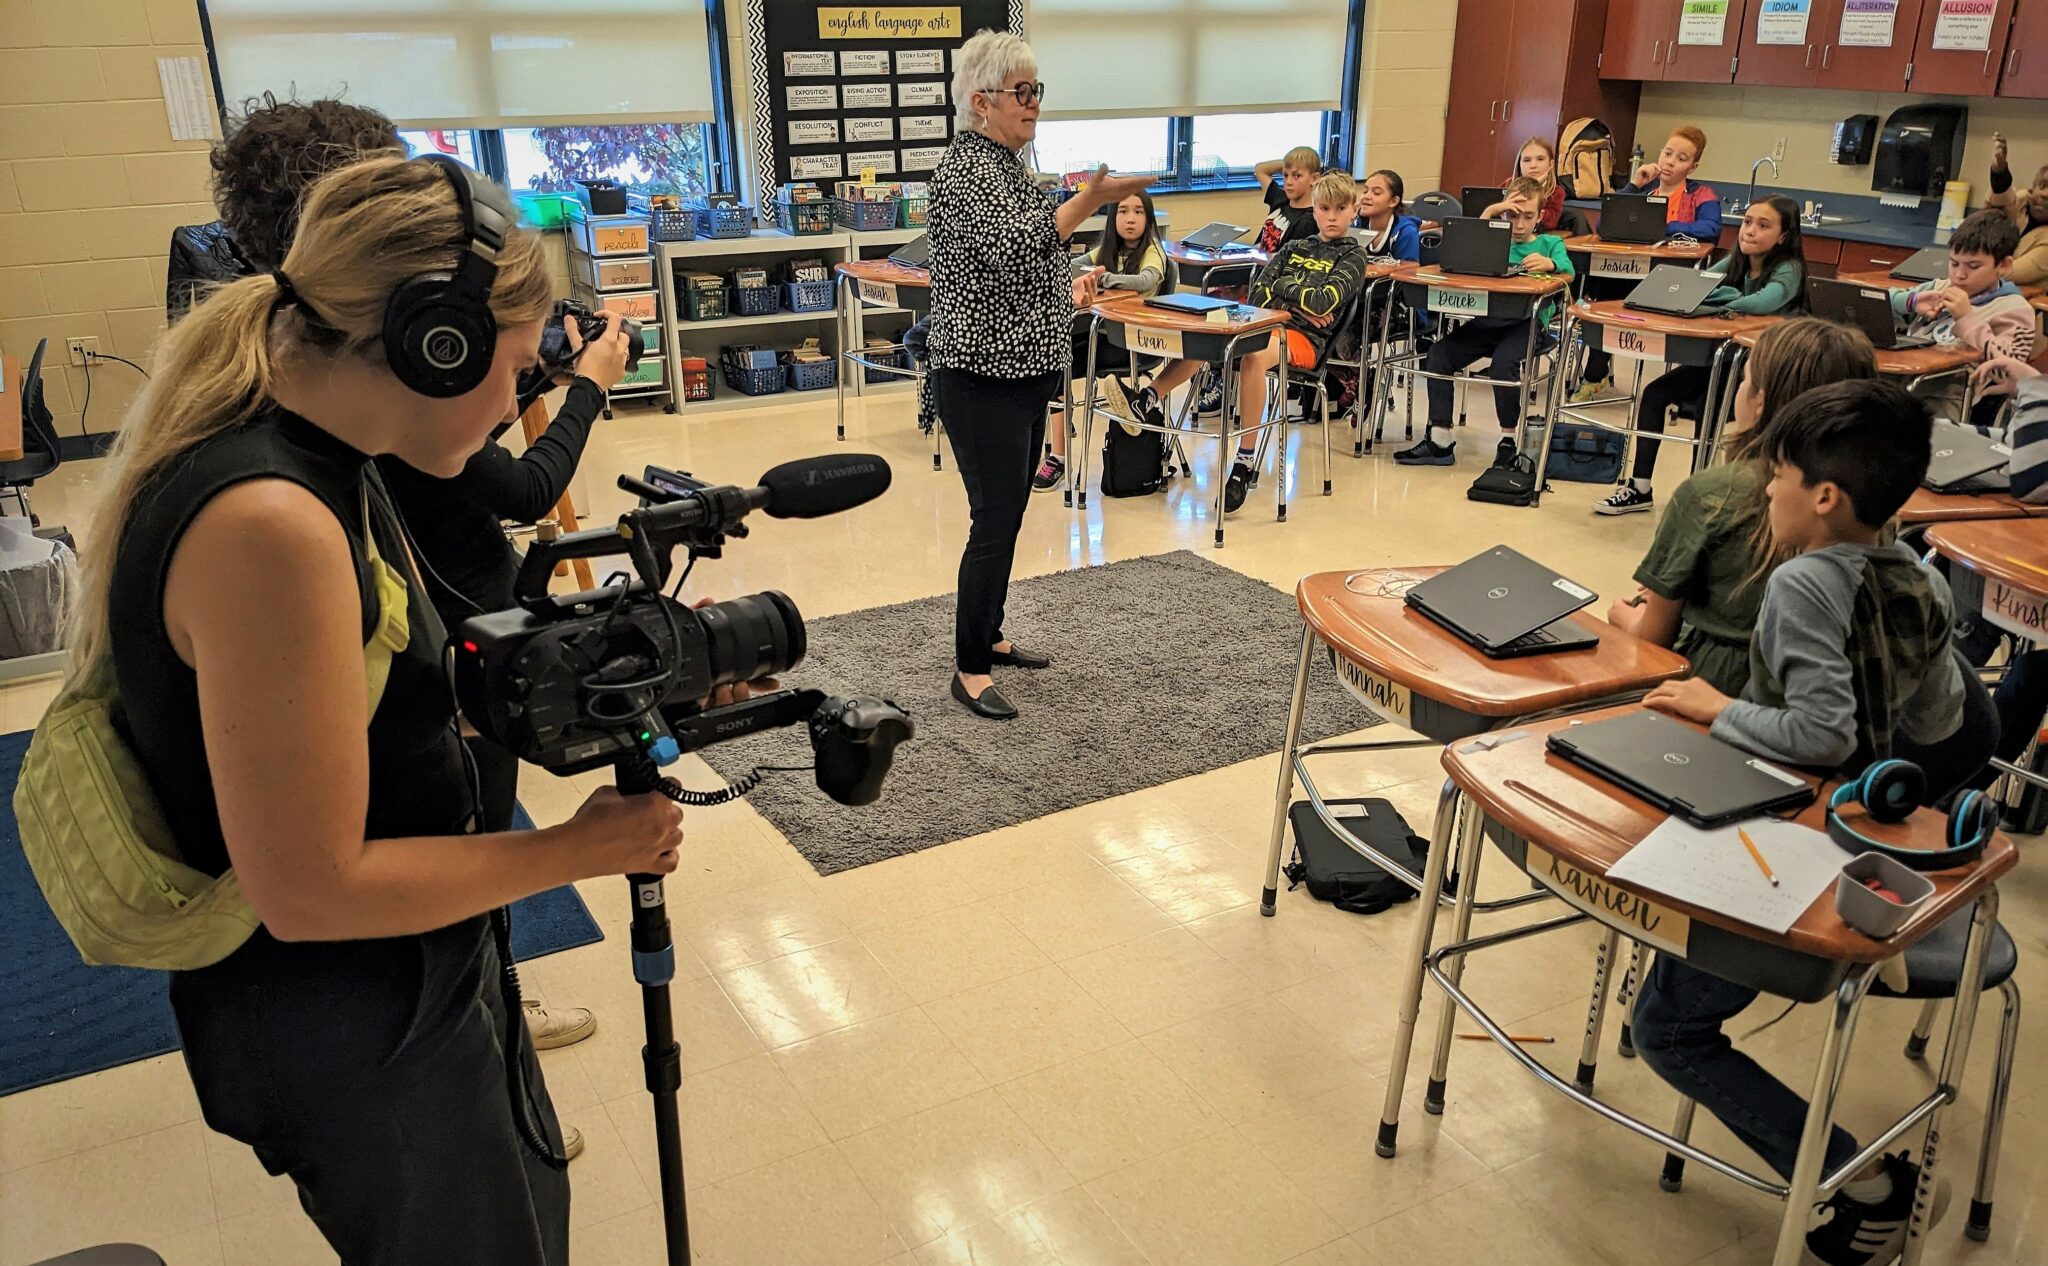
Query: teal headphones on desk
[(1889, 791)]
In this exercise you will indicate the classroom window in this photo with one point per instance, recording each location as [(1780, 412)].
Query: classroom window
[(1227, 144), (1126, 145), (645, 157)]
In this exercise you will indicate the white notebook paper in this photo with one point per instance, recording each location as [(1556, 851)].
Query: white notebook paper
[(1712, 870)]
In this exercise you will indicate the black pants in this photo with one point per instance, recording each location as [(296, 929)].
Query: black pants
[(996, 426), (497, 777), (1599, 361), (1684, 386), (1506, 341), (373, 1073)]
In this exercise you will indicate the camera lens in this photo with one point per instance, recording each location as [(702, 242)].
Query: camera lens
[(759, 635)]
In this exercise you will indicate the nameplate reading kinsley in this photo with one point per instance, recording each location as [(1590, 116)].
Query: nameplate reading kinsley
[(1653, 924)]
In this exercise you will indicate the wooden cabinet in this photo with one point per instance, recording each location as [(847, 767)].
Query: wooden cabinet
[(1523, 68), (1866, 257), (1646, 39), (1855, 67), (1821, 58), (1967, 72), (2026, 53)]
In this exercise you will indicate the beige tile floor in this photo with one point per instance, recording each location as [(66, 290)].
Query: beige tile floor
[(1069, 1041)]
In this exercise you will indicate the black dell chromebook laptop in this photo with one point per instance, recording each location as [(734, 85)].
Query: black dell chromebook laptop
[(1476, 248), (1867, 308), (1679, 769), (1925, 264), (915, 253), (1202, 307), (1672, 290), (1213, 237), (1966, 460), (1476, 198), (1633, 218), (1507, 605)]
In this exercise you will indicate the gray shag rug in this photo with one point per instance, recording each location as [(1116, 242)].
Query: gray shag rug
[(1163, 667)]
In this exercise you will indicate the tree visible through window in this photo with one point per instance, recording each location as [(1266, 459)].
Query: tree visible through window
[(646, 158)]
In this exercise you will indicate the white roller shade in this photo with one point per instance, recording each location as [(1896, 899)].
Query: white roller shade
[(473, 63), (1110, 58)]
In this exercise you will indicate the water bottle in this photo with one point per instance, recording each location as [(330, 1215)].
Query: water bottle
[(1635, 161)]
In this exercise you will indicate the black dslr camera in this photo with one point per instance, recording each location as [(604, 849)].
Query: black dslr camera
[(557, 357), (615, 676)]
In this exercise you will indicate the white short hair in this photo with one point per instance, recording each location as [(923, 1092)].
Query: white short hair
[(990, 60)]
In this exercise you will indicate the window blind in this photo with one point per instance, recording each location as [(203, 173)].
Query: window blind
[(1108, 58), (473, 63)]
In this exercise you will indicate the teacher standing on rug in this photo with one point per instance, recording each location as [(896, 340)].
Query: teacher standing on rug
[(1003, 301)]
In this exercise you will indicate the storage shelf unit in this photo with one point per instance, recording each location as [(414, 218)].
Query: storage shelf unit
[(595, 280), (704, 338)]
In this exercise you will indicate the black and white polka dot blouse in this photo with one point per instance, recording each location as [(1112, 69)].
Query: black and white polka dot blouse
[(1002, 297)]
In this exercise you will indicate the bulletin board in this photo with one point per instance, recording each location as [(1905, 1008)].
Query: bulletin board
[(843, 89)]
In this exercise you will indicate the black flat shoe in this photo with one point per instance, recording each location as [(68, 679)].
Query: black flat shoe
[(1018, 657), (990, 705)]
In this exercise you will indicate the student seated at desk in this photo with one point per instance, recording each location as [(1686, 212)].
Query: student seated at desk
[(1702, 580), (1761, 276), (1506, 340), (1288, 185), (1851, 664), (1976, 306), (1314, 281), (2028, 209), (1538, 161), (1389, 235), (1692, 208), (1134, 262), (2022, 694)]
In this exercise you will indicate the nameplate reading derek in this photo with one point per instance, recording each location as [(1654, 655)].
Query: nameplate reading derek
[(1645, 920), (1457, 302)]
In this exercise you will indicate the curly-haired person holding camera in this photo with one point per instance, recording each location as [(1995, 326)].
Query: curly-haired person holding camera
[(242, 559)]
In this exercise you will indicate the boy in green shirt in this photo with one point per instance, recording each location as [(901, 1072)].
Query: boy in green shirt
[(1505, 340)]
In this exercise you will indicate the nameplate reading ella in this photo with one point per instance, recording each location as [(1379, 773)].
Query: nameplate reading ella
[(1622, 265), (1457, 302), (1389, 699), (2018, 611), (1626, 340), (1645, 920)]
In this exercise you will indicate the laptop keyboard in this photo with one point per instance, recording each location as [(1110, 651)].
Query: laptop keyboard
[(1535, 637)]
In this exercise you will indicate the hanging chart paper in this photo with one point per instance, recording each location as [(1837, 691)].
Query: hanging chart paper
[(1703, 22), (1868, 23), (188, 99), (1783, 21), (1964, 25)]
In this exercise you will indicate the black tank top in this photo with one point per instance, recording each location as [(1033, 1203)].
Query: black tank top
[(419, 783)]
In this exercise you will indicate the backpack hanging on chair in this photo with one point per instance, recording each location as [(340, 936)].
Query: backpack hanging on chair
[(1585, 164), (1133, 460)]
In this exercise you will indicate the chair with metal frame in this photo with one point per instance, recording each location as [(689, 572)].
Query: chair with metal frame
[(39, 447)]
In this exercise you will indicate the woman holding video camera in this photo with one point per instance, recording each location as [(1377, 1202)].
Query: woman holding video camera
[(244, 555)]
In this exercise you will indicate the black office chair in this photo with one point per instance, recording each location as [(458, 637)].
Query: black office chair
[(39, 452), (1436, 205)]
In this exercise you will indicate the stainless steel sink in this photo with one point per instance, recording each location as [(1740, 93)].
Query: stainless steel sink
[(1825, 220)]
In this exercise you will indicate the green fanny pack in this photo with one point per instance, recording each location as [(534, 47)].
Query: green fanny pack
[(97, 840)]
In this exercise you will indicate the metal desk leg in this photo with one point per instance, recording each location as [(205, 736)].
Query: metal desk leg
[(1630, 982), (1673, 1176), (1596, 1014), (845, 323), (1441, 834), (1916, 1042), (1979, 1226), (1323, 398), (1820, 1114), (1277, 405), (1226, 451), (1285, 794), (1471, 846), (1570, 326), (1955, 1056), (1077, 459)]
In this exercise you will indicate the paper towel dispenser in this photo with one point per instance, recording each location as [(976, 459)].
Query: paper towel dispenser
[(1920, 149)]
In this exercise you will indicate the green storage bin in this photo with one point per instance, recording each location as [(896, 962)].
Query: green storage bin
[(542, 210), (648, 375)]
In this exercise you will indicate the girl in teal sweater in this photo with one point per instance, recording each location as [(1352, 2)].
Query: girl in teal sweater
[(1763, 276)]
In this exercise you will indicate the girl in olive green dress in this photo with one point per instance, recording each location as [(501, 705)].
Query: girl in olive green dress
[(1703, 578)]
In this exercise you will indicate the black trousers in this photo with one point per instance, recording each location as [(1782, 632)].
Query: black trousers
[(1505, 340), (996, 426), (1684, 386), (497, 777), (373, 1073)]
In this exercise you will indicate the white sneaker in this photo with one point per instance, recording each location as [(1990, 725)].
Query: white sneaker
[(556, 1027), (572, 1142)]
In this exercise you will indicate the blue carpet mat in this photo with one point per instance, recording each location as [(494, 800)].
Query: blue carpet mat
[(65, 1019)]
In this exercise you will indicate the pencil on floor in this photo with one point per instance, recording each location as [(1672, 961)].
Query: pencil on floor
[(1526, 1039)]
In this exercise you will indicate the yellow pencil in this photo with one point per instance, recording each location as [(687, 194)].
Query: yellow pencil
[(1761, 864), (1512, 1037)]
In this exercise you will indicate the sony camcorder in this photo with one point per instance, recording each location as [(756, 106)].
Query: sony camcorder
[(620, 675)]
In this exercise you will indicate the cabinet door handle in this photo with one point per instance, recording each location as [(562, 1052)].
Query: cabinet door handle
[(2012, 62), (1826, 55), (1506, 108), (1656, 52), (1493, 111), (1809, 57)]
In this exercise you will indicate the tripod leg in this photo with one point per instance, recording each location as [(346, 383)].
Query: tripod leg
[(654, 965)]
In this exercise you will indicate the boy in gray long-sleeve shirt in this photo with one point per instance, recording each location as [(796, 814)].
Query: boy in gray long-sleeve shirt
[(1851, 657)]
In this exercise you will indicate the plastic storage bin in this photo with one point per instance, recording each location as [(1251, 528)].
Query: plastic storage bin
[(755, 373), (607, 235), (867, 216), (899, 357), (807, 296), (649, 374), (910, 212), (756, 300), (704, 305), (670, 224), (723, 222), (817, 375), (801, 219)]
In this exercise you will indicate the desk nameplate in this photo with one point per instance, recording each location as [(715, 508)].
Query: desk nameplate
[(1623, 340), (1655, 925), (1152, 342), (1389, 699), (2020, 612), (1632, 266), (1457, 302), (878, 294)]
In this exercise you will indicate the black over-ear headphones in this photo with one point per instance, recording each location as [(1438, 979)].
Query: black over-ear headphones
[(439, 333), (1889, 791)]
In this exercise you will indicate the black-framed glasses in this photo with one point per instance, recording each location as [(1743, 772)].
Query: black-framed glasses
[(1025, 93)]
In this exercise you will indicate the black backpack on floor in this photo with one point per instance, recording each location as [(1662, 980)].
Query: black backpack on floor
[(1335, 873), (1133, 463), (1511, 485)]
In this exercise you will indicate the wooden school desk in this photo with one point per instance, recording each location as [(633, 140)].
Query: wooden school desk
[(1915, 364), (1565, 827), (1195, 264), (1142, 330), (13, 405), (1706, 342), (1927, 506), (2034, 294), (1429, 288), (1424, 678), (2011, 555), (1632, 261), (886, 285)]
